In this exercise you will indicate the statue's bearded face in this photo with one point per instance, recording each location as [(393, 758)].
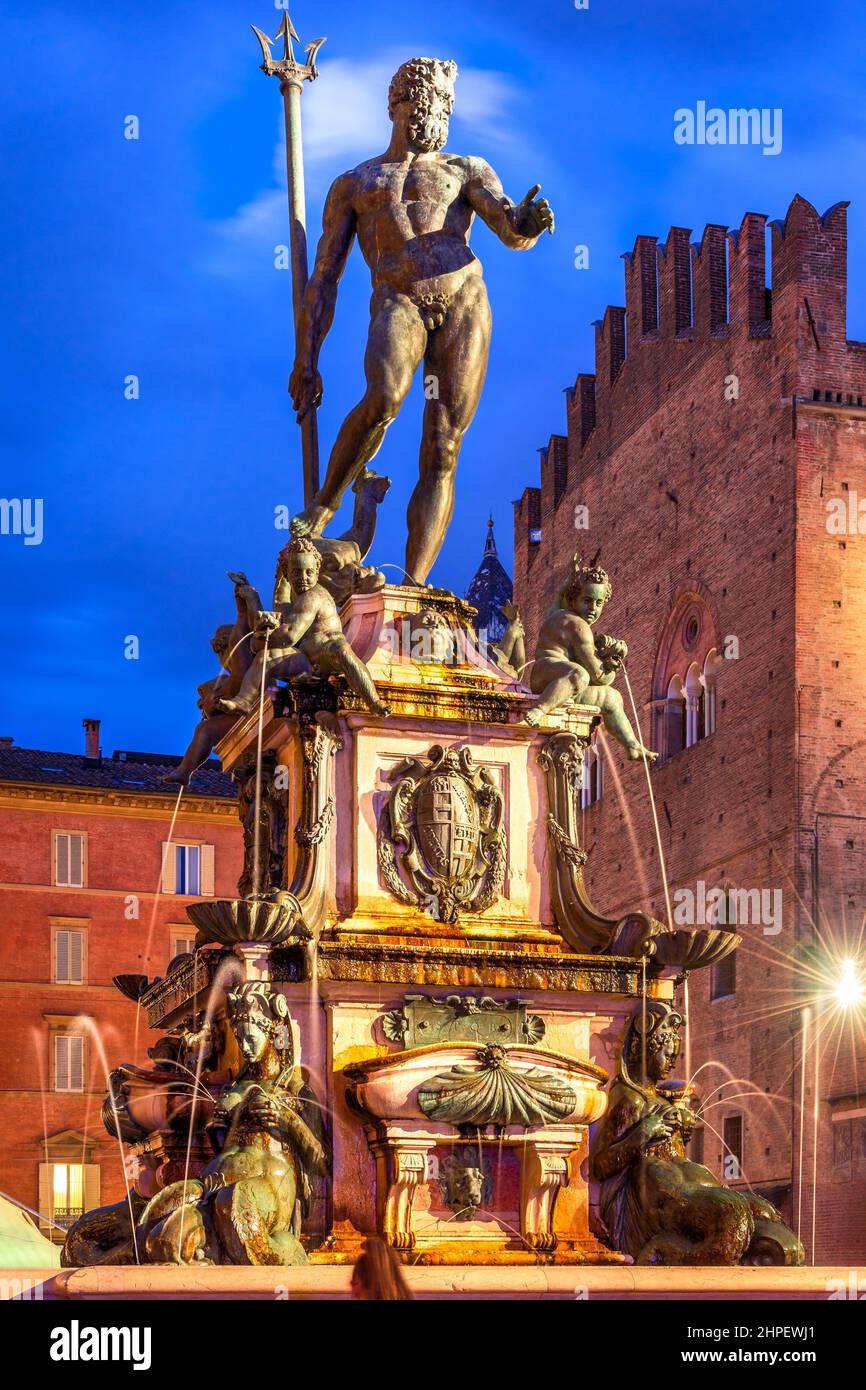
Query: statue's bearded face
[(430, 106)]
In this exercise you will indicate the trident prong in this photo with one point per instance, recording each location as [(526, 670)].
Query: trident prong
[(287, 29), (288, 66)]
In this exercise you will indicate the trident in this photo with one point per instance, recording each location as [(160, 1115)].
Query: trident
[(293, 75)]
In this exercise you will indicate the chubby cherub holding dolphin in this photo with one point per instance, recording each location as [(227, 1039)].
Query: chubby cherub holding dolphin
[(573, 666), (304, 637)]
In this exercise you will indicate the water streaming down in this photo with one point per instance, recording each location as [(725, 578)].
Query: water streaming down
[(646, 765), (610, 769), (214, 993), (100, 1048), (257, 830), (145, 964), (664, 874)]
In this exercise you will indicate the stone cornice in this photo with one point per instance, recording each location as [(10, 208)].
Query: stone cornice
[(109, 801)]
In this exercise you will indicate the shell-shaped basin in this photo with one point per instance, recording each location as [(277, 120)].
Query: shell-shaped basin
[(464, 1083), (694, 948), (230, 921)]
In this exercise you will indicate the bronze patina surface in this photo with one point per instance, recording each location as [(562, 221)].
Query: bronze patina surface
[(412, 210), (573, 665), (656, 1205)]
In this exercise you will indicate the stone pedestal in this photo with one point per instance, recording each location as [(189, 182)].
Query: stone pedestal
[(418, 866)]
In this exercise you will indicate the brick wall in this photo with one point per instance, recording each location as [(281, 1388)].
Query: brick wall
[(124, 839), (721, 415)]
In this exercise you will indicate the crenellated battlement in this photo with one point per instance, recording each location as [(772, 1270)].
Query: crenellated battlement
[(715, 300)]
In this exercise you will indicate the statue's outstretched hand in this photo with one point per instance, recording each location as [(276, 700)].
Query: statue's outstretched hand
[(305, 389), (530, 218)]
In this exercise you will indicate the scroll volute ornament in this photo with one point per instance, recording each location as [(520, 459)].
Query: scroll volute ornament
[(585, 929), (441, 843)]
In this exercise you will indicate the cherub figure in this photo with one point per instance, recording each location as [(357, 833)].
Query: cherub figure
[(574, 666), (231, 644), (305, 636)]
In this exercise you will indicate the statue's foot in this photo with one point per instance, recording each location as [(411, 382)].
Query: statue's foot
[(312, 520), (384, 711), (533, 717), (175, 778), (231, 707), (637, 753)]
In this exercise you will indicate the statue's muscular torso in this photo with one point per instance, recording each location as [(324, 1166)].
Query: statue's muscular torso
[(413, 220)]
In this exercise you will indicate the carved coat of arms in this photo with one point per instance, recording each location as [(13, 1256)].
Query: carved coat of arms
[(441, 843)]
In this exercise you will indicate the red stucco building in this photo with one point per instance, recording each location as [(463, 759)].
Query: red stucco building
[(717, 458), (92, 885)]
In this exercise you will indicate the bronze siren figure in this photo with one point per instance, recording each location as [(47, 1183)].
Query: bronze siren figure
[(411, 209)]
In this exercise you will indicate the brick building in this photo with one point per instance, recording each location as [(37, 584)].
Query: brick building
[(716, 457), (91, 888)]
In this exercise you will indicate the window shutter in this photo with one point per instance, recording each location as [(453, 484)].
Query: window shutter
[(76, 861), (76, 1063), (61, 1062), (45, 1202), (61, 859), (76, 957), (207, 871), (91, 1186), (61, 970), (169, 869)]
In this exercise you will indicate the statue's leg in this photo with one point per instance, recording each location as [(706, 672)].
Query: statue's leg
[(455, 368), (395, 347), (560, 683), (343, 659), (616, 721), (252, 1220), (207, 735)]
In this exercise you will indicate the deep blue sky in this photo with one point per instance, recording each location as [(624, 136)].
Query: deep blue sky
[(155, 257)]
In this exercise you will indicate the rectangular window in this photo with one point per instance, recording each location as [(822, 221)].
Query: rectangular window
[(68, 859), (696, 1148), (67, 1192), (732, 1159), (188, 870), (592, 777), (66, 1189), (68, 1062), (180, 944), (723, 977), (68, 956)]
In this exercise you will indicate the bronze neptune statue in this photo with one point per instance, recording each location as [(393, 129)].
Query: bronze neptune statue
[(411, 209), (656, 1205)]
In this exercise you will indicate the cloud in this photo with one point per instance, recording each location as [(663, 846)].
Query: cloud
[(345, 118)]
